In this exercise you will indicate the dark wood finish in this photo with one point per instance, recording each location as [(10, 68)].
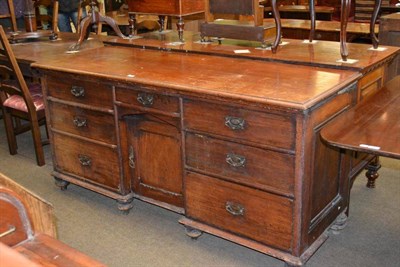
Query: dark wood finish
[(263, 217), (284, 107), (31, 23), (38, 249), (18, 87), (373, 126), (322, 54)]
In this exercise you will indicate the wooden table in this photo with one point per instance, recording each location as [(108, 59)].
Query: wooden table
[(301, 12), (373, 126)]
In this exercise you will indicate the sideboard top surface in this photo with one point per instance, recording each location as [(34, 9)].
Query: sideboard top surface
[(319, 53), (271, 83)]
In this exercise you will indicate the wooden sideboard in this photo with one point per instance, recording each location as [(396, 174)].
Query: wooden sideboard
[(230, 142)]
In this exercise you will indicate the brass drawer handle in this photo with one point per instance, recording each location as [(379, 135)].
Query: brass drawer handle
[(80, 122), (85, 160), (145, 99), (235, 209), (77, 91), (235, 160), (235, 123)]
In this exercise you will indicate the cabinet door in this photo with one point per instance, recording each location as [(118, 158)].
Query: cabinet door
[(155, 158)]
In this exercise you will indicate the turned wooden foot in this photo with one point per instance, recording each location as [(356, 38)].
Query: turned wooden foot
[(180, 25), (340, 223), (192, 232), (372, 172), (62, 184), (125, 205)]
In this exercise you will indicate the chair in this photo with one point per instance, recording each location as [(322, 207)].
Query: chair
[(250, 25), (85, 5), (11, 15), (21, 100)]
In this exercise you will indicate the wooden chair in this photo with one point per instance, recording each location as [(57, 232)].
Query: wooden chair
[(251, 28), (44, 18), (85, 5), (11, 15), (20, 99)]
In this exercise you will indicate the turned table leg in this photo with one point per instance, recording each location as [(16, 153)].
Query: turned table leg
[(372, 172), (180, 25)]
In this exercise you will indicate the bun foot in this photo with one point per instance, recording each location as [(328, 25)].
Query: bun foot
[(192, 232), (62, 184)]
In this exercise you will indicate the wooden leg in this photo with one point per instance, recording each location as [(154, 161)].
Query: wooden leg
[(125, 205), (132, 25), (161, 20), (192, 232), (62, 184), (277, 18), (83, 33), (180, 25), (9, 125), (312, 21), (344, 16), (37, 140), (372, 172), (374, 17), (340, 223)]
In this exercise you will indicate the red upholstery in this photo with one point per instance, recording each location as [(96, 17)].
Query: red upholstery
[(17, 102)]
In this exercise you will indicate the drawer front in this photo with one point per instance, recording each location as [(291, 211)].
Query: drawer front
[(147, 100), (87, 123), (246, 212), (251, 166), (258, 127), (71, 88), (371, 83), (93, 163)]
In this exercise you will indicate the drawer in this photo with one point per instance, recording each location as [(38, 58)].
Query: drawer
[(72, 88), (145, 99), (91, 124), (258, 127), (247, 212), (371, 83), (247, 165), (91, 162)]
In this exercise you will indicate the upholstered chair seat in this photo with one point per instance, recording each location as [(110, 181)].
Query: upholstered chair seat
[(18, 102)]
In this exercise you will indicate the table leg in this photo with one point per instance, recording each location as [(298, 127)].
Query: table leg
[(344, 17), (277, 18), (372, 172), (312, 20), (180, 25), (374, 17), (132, 24)]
